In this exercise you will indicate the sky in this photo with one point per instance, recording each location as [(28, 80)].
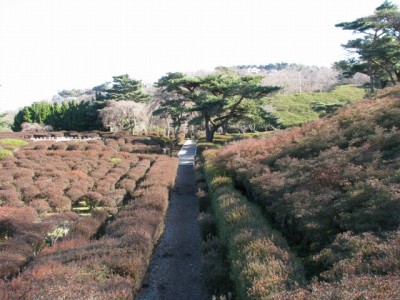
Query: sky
[(50, 45)]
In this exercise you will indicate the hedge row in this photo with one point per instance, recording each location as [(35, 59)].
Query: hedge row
[(261, 263), (111, 267)]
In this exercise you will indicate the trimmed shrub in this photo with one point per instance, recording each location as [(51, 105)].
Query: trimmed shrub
[(111, 267), (215, 267), (14, 142), (262, 264), (4, 153)]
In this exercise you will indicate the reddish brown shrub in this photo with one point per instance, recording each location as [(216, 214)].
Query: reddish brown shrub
[(162, 172), (128, 264), (87, 227), (74, 267), (78, 173), (59, 146), (40, 205), (42, 145), (10, 262), (18, 214), (7, 187), (59, 203), (112, 145), (75, 146), (114, 198), (10, 197), (74, 194), (23, 173), (8, 162), (92, 199), (127, 184), (82, 184), (121, 141), (29, 192), (127, 148), (363, 287), (101, 170), (355, 255), (94, 147)]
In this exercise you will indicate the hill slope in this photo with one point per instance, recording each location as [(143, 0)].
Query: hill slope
[(332, 188), (296, 108)]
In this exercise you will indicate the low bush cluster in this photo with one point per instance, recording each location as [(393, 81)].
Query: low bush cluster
[(331, 187), (215, 267), (94, 256), (77, 218), (21, 238), (128, 143), (261, 263)]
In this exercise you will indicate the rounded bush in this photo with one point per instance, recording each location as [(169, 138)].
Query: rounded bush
[(5, 153)]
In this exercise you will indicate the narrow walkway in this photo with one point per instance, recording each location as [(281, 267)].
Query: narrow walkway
[(174, 271), (187, 153)]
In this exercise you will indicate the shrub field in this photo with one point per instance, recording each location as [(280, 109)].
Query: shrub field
[(331, 189), (79, 219)]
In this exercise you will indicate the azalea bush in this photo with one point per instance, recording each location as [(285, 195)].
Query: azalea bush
[(92, 210), (331, 188)]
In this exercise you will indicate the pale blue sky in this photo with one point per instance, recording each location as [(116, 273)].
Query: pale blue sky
[(50, 45)]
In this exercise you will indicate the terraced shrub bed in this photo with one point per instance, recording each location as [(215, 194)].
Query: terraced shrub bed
[(80, 223), (331, 188)]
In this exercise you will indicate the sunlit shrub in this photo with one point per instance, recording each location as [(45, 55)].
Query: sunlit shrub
[(4, 153), (60, 146), (261, 262), (10, 197), (74, 194), (15, 142), (59, 203), (87, 227), (111, 266), (40, 205)]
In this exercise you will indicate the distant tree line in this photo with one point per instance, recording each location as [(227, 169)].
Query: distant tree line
[(79, 116), (82, 115), (213, 102), (268, 67)]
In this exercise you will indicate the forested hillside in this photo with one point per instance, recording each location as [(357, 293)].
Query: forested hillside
[(331, 189)]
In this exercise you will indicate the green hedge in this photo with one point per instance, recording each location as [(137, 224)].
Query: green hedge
[(13, 142), (262, 264), (5, 153)]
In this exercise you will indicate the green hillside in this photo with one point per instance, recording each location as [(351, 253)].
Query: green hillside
[(296, 109)]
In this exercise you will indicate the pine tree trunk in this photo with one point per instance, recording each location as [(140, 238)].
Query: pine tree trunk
[(371, 78), (209, 130)]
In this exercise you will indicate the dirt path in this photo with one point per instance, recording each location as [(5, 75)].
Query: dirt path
[(175, 267)]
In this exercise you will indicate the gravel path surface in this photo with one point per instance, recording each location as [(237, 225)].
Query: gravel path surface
[(174, 271)]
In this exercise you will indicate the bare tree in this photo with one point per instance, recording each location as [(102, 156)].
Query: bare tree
[(125, 115), (297, 79)]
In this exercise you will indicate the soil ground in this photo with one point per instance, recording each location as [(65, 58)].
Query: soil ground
[(174, 271)]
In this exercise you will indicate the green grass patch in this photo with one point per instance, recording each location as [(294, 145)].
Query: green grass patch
[(221, 139), (5, 153), (296, 109), (218, 138), (14, 142), (115, 160)]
